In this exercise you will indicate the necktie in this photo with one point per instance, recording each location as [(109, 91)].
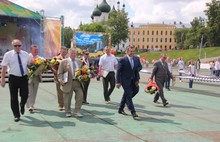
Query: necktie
[(132, 63), (20, 64), (74, 66)]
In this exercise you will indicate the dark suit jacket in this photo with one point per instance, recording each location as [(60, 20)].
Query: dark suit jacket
[(160, 71), (125, 74)]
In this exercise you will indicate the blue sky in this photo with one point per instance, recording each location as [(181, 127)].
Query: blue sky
[(139, 11)]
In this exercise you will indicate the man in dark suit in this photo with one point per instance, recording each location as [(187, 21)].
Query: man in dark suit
[(161, 72), (128, 77)]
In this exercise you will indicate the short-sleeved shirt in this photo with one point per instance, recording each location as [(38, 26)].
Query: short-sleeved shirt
[(108, 62), (181, 64), (10, 60)]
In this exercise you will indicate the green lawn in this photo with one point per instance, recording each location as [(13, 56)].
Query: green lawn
[(186, 54)]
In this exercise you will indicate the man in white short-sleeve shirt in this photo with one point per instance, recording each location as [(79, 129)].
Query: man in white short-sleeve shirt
[(107, 65), (16, 62)]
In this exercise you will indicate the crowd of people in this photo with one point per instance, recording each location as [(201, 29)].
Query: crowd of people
[(16, 62)]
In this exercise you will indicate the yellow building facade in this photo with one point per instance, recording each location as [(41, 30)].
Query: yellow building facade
[(153, 37)]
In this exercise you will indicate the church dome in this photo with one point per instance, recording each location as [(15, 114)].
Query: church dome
[(96, 12), (104, 7)]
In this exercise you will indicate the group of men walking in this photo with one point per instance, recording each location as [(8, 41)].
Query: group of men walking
[(127, 76)]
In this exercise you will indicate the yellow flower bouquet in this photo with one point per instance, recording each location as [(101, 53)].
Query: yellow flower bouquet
[(37, 67), (83, 74), (55, 62)]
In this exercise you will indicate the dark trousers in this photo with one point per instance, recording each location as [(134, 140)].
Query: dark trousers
[(129, 93), (191, 82), (160, 94), (85, 90), (217, 72), (18, 83), (110, 78), (167, 83)]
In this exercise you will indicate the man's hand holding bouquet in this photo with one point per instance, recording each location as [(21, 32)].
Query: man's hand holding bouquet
[(37, 67)]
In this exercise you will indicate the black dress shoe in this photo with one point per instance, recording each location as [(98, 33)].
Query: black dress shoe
[(168, 89), (85, 103), (122, 112), (16, 119), (135, 116), (166, 103), (22, 110)]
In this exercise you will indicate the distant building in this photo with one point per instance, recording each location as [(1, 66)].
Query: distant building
[(153, 36)]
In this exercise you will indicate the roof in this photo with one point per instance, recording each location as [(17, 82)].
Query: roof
[(8, 8)]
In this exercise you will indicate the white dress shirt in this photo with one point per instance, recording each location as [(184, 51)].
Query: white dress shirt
[(108, 62), (10, 60)]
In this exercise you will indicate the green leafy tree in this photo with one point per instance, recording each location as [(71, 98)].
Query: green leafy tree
[(68, 35), (213, 22), (118, 27), (94, 27)]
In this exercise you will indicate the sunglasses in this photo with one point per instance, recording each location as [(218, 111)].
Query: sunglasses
[(87, 54), (17, 45)]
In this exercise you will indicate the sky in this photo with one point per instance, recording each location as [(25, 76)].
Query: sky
[(139, 11)]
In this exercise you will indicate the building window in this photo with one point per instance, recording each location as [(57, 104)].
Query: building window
[(165, 32), (161, 47), (165, 39), (143, 32), (133, 39), (143, 39), (157, 33), (142, 46), (171, 33), (156, 39), (170, 39), (138, 46), (161, 32), (147, 46), (170, 47), (138, 39), (161, 40), (138, 32), (148, 32), (152, 32), (152, 39), (147, 39), (133, 32)]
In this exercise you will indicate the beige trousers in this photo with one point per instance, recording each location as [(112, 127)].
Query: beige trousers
[(77, 88)]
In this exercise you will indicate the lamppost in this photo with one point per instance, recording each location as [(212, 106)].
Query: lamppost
[(200, 49)]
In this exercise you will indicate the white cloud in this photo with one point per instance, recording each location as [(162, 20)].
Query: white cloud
[(140, 11)]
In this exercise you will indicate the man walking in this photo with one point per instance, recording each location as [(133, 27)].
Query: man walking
[(16, 62), (66, 77), (128, 77), (33, 83), (107, 64), (61, 56), (161, 72)]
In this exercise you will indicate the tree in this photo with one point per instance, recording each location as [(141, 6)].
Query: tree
[(118, 27), (68, 35), (94, 27), (213, 23)]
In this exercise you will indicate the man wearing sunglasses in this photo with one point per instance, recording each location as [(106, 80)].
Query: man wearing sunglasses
[(15, 62)]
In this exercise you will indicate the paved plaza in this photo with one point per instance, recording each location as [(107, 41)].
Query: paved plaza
[(191, 116)]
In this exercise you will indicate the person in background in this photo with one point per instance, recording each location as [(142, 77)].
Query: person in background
[(96, 66), (161, 72), (181, 67), (33, 83), (62, 56), (198, 64), (16, 62), (66, 77), (128, 77), (192, 72), (167, 82), (211, 67), (217, 67), (107, 63), (88, 61)]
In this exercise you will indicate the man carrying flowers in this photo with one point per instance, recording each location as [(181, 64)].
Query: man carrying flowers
[(69, 82), (35, 69), (54, 67)]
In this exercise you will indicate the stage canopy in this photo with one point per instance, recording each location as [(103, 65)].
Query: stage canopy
[(11, 9)]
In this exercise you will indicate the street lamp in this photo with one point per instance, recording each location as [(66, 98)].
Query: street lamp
[(200, 47)]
